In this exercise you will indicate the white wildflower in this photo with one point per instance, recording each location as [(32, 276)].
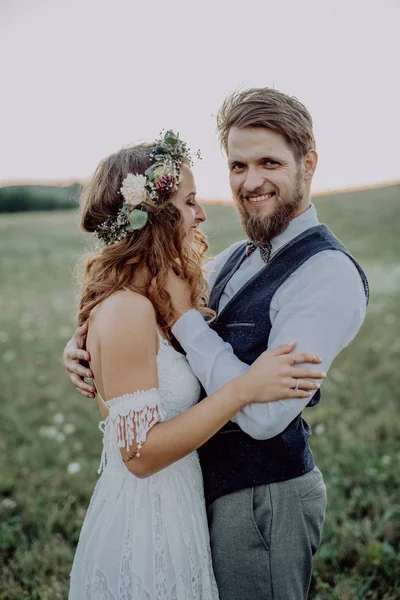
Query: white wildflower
[(59, 418), (371, 472), (386, 460), (133, 189), (9, 356), (319, 429), (9, 503), (49, 432), (60, 437), (73, 468), (69, 428)]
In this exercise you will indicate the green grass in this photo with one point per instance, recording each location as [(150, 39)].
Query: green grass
[(46, 426)]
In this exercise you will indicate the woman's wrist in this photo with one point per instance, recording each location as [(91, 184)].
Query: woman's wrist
[(238, 391)]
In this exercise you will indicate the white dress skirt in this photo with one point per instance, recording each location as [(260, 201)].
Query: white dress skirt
[(146, 539)]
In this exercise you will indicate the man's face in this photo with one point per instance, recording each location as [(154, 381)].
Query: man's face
[(266, 181)]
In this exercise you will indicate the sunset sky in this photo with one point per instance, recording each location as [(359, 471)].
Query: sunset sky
[(82, 78)]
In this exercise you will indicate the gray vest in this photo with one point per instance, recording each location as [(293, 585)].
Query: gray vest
[(232, 460)]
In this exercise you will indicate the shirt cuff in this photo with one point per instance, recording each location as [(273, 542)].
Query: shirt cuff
[(188, 327)]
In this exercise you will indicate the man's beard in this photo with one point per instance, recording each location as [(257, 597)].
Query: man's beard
[(264, 229)]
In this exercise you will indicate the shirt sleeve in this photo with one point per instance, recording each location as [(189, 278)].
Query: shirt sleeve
[(322, 308), (211, 359)]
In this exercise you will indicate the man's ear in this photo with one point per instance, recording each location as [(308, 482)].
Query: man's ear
[(310, 164)]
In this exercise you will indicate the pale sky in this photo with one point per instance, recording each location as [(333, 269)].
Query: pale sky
[(82, 78)]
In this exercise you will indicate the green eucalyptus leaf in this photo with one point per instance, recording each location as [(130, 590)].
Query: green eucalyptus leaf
[(149, 173), (138, 219), (170, 138)]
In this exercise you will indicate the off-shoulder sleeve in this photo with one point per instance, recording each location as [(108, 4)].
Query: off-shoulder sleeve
[(130, 418)]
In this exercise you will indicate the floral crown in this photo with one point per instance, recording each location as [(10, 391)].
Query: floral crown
[(141, 192)]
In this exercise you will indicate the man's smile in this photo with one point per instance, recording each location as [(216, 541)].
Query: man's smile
[(262, 199)]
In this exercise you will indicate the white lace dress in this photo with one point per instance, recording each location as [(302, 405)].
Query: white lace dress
[(146, 539)]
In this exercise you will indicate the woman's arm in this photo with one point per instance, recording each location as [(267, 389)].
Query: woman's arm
[(128, 345)]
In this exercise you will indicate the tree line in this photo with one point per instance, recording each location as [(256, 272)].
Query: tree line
[(21, 198)]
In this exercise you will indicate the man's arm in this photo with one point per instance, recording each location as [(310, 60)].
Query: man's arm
[(321, 309)]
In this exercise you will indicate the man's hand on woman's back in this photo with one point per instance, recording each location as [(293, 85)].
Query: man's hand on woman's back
[(74, 355)]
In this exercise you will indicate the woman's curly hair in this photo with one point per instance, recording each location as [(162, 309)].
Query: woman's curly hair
[(157, 246)]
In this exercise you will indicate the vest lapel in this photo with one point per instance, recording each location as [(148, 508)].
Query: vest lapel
[(230, 267)]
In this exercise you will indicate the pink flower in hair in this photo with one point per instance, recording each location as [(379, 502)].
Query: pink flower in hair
[(165, 183)]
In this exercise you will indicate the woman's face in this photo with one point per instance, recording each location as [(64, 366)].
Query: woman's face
[(185, 199)]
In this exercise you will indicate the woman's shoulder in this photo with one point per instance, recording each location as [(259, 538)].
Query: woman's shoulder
[(124, 309), (127, 300)]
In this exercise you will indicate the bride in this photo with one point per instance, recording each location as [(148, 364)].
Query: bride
[(145, 534)]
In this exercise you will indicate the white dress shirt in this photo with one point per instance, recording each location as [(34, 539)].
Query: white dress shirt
[(321, 306)]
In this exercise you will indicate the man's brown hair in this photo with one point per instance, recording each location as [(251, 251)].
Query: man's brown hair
[(265, 107)]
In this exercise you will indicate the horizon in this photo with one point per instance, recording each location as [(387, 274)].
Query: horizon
[(206, 199)]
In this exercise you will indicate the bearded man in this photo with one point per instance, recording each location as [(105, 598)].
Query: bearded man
[(291, 281)]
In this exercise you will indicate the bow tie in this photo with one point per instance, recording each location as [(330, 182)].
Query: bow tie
[(265, 249)]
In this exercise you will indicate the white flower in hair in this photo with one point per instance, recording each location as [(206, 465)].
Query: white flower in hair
[(133, 189)]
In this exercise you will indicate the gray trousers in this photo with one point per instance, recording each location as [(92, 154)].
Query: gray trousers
[(263, 538)]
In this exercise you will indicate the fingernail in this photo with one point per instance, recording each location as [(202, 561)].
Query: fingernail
[(323, 374), (88, 374)]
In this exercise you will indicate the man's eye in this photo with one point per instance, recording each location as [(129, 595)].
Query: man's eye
[(270, 163), (237, 167), (190, 203)]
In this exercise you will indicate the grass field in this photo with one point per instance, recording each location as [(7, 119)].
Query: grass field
[(50, 444)]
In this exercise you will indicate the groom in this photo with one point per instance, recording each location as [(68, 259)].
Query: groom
[(294, 281)]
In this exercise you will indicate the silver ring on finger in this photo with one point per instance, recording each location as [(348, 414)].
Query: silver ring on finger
[(297, 386)]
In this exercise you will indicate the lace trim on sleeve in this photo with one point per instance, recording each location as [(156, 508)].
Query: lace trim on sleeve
[(130, 418)]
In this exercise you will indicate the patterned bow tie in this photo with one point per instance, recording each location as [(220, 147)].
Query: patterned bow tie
[(265, 249)]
